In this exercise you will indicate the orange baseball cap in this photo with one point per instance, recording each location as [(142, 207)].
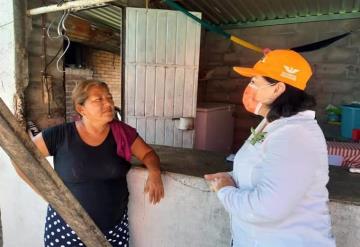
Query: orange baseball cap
[(283, 65)]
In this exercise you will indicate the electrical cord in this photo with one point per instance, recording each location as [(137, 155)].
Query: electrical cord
[(61, 29)]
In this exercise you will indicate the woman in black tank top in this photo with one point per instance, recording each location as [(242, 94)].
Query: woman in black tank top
[(92, 156)]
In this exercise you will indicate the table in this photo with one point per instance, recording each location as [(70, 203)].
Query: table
[(350, 151)]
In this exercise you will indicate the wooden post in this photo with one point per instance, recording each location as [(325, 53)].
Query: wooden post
[(17, 144), (77, 5)]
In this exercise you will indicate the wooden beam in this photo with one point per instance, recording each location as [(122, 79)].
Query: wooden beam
[(17, 144), (73, 5)]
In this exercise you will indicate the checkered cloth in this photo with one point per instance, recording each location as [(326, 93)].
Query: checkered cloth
[(348, 150)]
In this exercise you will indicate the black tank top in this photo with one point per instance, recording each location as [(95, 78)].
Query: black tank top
[(95, 175)]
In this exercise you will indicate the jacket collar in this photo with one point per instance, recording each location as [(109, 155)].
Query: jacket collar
[(301, 116)]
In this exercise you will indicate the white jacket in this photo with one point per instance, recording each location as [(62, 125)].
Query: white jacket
[(280, 198)]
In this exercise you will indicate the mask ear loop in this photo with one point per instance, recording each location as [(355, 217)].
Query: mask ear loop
[(258, 107)]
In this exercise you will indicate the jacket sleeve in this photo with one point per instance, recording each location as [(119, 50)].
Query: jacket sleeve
[(290, 162)]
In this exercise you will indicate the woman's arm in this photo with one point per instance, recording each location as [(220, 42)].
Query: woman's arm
[(289, 169), (147, 155), (39, 142)]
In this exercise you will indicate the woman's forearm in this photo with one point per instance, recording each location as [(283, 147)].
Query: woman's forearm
[(152, 162)]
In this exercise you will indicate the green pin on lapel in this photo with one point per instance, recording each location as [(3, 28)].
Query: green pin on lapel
[(257, 137)]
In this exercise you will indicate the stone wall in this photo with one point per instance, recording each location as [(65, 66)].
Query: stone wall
[(336, 68)]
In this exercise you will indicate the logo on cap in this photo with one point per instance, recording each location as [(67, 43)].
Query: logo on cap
[(289, 72)]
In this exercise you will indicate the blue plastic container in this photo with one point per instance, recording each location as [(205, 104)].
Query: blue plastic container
[(350, 119)]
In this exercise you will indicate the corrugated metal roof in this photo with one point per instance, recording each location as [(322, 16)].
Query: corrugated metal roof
[(110, 16), (246, 13), (241, 13)]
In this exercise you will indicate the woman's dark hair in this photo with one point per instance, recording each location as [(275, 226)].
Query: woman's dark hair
[(289, 103)]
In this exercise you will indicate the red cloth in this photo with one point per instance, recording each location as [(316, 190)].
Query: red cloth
[(348, 150), (125, 136)]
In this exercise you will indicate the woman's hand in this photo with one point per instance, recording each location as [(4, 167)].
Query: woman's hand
[(154, 187), (147, 155), (219, 180)]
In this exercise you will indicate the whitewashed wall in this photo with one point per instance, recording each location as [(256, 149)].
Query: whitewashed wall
[(7, 52), (7, 88), (192, 216), (22, 211)]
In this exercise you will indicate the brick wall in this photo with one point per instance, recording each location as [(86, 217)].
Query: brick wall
[(72, 77), (104, 66), (107, 68), (336, 78)]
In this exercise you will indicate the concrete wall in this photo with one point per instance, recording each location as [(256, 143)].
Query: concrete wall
[(346, 224), (336, 77), (192, 216), (21, 209), (36, 107), (7, 53), (1, 237), (7, 84)]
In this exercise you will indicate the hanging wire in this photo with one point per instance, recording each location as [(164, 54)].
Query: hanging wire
[(67, 47), (51, 23), (52, 38), (61, 33), (54, 57)]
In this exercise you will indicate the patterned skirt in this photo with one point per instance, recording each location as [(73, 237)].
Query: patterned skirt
[(59, 234)]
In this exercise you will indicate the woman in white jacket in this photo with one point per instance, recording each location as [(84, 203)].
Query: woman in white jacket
[(276, 195)]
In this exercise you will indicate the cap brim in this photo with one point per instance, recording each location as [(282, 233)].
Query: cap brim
[(248, 72)]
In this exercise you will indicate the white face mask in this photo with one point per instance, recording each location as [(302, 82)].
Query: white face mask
[(249, 101)]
